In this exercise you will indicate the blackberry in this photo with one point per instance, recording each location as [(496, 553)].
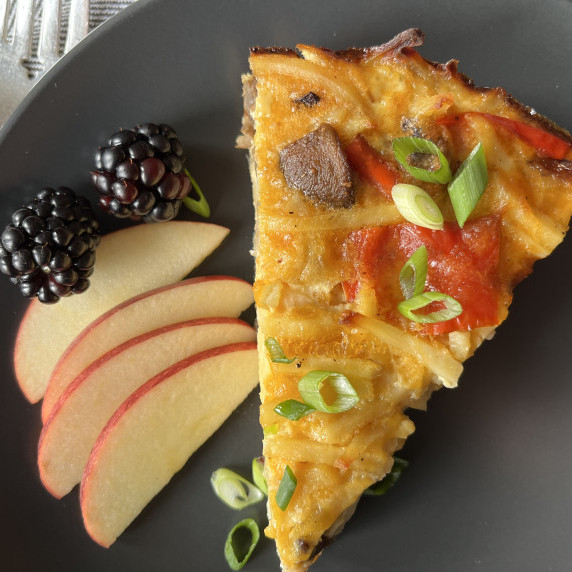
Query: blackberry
[(48, 250), (140, 174)]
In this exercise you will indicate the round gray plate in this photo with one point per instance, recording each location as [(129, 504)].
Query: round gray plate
[(488, 487)]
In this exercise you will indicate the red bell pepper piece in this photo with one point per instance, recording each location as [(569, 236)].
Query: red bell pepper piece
[(370, 165), (545, 143), (350, 288), (463, 264)]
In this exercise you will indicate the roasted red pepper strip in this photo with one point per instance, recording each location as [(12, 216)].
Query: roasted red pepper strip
[(350, 288), (463, 263), (370, 165), (545, 143)]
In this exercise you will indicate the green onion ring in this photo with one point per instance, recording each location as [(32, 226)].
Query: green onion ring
[(270, 429), (230, 548), (276, 352), (286, 488), (258, 474), (381, 487), (414, 274), (452, 308), (417, 206), (403, 147), (293, 410), (234, 490), (470, 181), (309, 387)]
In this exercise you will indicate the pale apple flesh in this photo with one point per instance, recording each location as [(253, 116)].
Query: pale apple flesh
[(193, 298), (154, 432), (129, 261), (93, 396)]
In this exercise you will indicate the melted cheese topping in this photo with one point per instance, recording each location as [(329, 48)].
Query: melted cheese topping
[(301, 265)]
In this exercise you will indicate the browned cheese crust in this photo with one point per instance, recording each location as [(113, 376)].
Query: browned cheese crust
[(380, 93)]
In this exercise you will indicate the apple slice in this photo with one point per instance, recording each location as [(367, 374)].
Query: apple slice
[(199, 297), (91, 399), (129, 261), (154, 432)]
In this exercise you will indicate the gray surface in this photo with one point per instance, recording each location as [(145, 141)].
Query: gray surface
[(489, 483)]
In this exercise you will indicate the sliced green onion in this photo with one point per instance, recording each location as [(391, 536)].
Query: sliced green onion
[(469, 183), (311, 384), (417, 206), (403, 147), (451, 310), (286, 488), (270, 429), (234, 490), (257, 474), (276, 352), (381, 487), (414, 273), (293, 410), (200, 205), (234, 550)]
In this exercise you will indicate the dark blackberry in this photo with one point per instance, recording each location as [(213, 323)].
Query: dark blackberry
[(140, 174), (48, 250)]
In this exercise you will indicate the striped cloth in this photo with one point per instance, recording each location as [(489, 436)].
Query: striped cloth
[(99, 12)]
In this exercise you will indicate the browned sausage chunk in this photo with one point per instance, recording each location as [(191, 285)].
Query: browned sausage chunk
[(317, 166)]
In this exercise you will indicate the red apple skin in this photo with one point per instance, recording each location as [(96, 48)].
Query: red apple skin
[(115, 420), (241, 328), (53, 390), (31, 386)]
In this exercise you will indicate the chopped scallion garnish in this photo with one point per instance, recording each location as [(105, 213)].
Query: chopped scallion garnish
[(238, 550), (414, 273), (451, 310), (381, 487), (286, 488), (234, 490), (416, 205), (469, 183), (270, 429), (293, 410), (404, 147), (310, 389), (257, 474), (276, 352), (200, 205)]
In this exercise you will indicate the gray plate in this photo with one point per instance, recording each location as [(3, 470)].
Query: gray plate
[(489, 483)]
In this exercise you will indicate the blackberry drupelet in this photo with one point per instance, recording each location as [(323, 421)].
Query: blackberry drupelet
[(48, 250), (140, 174)]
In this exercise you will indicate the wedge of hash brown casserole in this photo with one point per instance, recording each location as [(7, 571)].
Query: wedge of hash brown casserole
[(329, 244)]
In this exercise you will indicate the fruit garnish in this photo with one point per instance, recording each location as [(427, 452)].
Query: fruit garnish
[(48, 250), (77, 419), (158, 308), (130, 262), (166, 420), (140, 174)]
